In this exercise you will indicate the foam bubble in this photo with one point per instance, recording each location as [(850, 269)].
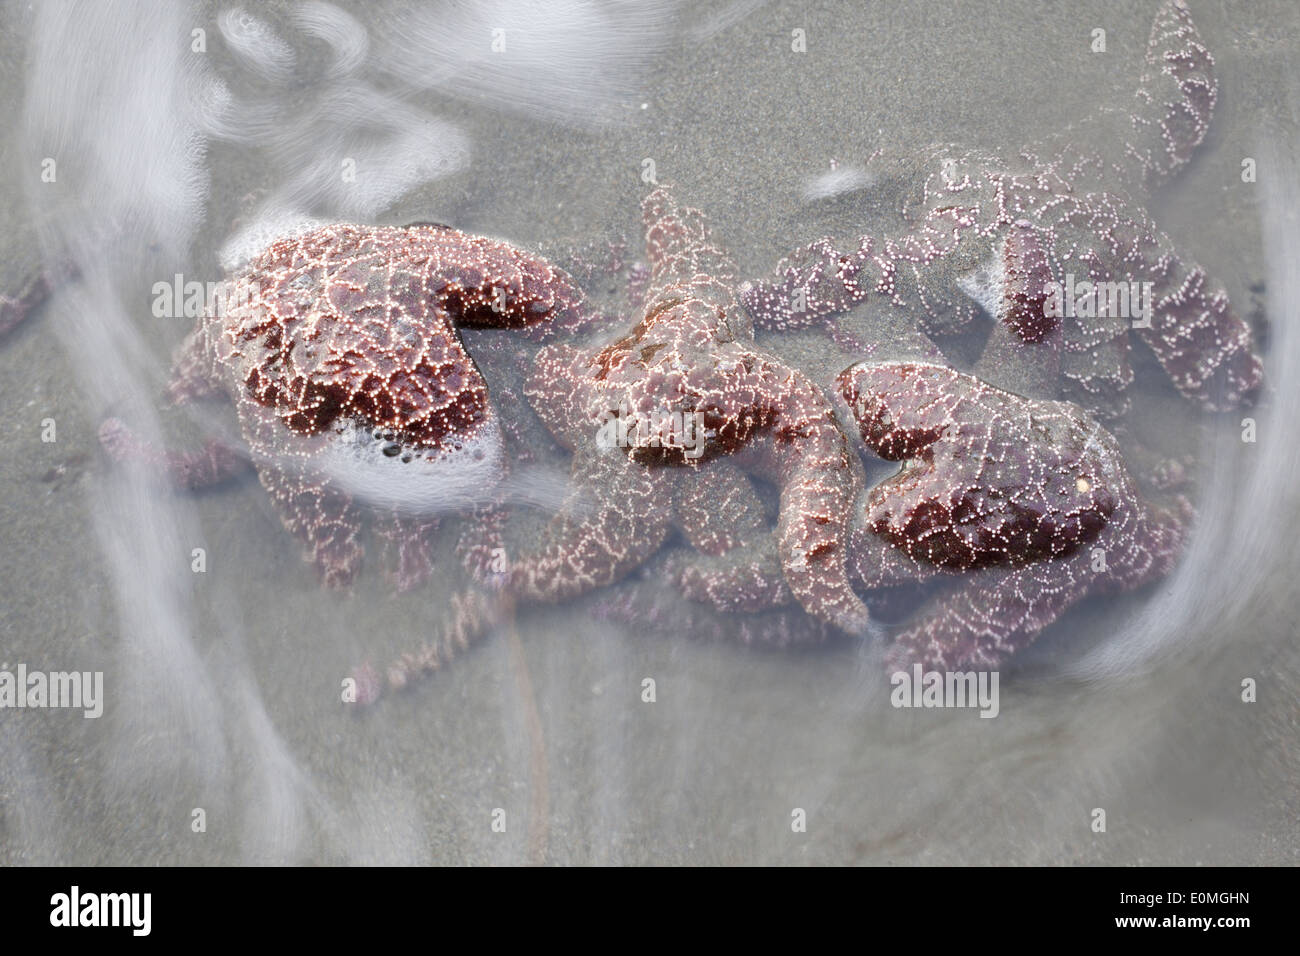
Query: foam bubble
[(270, 225), (985, 285), (359, 460)]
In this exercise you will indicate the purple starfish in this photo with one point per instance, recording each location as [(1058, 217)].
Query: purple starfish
[(659, 419), (340, 351), (1109, 270), (1030, 502), (1024, 507)]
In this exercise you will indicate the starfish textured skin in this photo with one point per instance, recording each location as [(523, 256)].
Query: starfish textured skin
[(693, 398), (1082, 206), (1030, 502), (340, 351), (1021, 507)]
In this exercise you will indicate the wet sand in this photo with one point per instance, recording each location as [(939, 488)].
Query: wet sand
[(737, 738)]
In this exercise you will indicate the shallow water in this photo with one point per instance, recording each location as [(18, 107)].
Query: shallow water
[(222, 688)]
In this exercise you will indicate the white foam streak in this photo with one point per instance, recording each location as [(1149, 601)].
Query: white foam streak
[(98, 89), (91, 116), (537, 487), (372, 150), (256, 45), (272, 223), (346, 149), (720, 20), (277, 795), (111, 96), (344, 35), (572, 61), (450, 481)]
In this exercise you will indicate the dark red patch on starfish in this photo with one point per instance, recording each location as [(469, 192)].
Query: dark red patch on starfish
[(359, 322), (688, 390), (989, 479), (1029, 501)]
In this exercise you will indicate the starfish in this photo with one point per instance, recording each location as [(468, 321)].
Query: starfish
[(1027, 506), (1032, 496), (354, 392), (664, 422), (1076, 212)]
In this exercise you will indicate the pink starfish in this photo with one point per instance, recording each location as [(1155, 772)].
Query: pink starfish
[(339, 349), (1029, 501), (1025, 506), (1110, 271), (689, 396)]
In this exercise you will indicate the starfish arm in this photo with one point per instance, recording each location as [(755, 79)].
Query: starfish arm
[(487, 283), (684, 260), (1207, 351), (616, 515), (467, 616), (193, 471), (811, 285), (1023, 351), (991, 616), (555, 392), (821, 478), (722, 517), (875, 562), (324, 520), (915, 270), (1143, 543), (1096, 370), (748, 577), (194, 374), (718, 508), (901, 408), (1175, 97), (1160, 128), (481, 544), (409, 541)]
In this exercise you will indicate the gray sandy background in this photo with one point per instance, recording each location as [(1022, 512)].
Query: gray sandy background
[(737, 738)]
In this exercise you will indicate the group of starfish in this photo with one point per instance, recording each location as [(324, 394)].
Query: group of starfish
[(357, 396)]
